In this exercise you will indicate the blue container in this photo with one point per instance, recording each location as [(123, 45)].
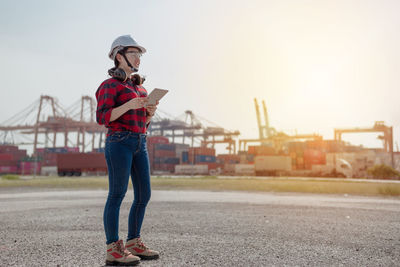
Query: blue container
[(204, 158), (172, 160), (185, 157), (163, 160), (55, 150), (169, 147)]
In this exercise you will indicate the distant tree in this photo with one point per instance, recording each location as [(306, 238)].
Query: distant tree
[(383, 171)]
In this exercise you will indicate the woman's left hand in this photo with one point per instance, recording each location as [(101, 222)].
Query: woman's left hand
[(151, 109)]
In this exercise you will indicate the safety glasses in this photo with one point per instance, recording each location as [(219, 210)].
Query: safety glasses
[(135, 53)]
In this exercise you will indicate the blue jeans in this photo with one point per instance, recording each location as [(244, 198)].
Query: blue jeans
[(126, 154)]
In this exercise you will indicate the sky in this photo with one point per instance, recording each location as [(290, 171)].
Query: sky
[(318, 65)]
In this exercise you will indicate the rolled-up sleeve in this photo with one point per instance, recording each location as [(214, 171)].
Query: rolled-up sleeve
[(106, 97)]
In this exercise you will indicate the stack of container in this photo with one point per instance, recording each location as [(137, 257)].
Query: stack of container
[(263, 150), (29, 167), (182, 152), (228, 161), (313, 157), (204, 156), (296, 152), (10, 156), (162, 154), (228, 158), (164, 158), (49, 157)]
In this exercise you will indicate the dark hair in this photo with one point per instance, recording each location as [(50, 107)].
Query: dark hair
[(122, 51)]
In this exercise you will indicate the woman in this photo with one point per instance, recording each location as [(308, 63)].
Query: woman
[(121, 107)]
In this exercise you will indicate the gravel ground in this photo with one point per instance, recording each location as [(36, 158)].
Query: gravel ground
[(195, 228)]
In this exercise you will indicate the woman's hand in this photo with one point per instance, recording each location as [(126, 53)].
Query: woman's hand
[(137, 102), (151, 109)]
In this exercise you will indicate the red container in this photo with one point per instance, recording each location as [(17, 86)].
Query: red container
[(251, 150), (157, 140), (81, 162), (8, 148), (228, 158), (313, 156), (211, 165), (20, 154), (164, 167), (8, 162), (316, 144), (6, 156), (9, 169), (28, 167), (201, 151), (264, 150)]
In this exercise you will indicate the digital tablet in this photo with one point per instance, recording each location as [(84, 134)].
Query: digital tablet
[(156, 95)]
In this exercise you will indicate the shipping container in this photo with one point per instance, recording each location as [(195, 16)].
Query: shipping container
[(8, 162), (9, 169), (99, 150), (185, 157), (313, 156), (29, 167), (166, 160), (48, 170), (265, 150), (169, 147), (191, 169), (164, 153), (265, 165), (213, 167), (164, 167), (228, 158), (76, 163), (296, 146), (201, 151), (204, 158), (244, 169), (229, 169), (6, 156), (57, 150), (320, 145), (251, 150), (157, 140), (8, 148)]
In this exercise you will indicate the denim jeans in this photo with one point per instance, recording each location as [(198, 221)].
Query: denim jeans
[(126, 154)]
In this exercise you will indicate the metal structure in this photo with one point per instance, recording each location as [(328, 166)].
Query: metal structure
[(269, 135), (78, 120), (193, 127), (59, 121), (379, 127)]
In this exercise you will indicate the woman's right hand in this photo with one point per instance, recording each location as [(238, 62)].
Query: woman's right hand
[(137, 102)]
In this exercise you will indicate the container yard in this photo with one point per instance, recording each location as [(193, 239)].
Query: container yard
[(178, 147)]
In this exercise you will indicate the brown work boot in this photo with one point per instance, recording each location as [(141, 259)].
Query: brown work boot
[(136, 247), (117, 255)]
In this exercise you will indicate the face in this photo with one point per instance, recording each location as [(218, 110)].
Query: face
[(133, 55)]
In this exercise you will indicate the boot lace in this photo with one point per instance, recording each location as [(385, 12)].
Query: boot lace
[(141, 245), (122, 249)]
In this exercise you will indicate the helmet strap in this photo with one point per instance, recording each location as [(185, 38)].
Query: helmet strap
[(129, 64)]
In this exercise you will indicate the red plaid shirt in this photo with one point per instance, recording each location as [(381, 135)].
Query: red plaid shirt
[(113, 93)]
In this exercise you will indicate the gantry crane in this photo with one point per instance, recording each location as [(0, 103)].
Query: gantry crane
[(59, 121), (192, 127), (379, 127), (269, 135)]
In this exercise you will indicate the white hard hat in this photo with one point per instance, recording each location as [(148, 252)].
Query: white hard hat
[(121, 42)]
